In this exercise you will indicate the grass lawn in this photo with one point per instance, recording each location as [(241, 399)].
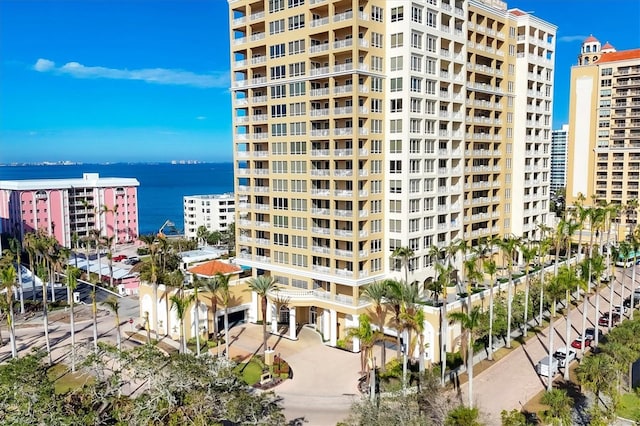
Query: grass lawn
[(629, 407), (250, 372), (65, 380)]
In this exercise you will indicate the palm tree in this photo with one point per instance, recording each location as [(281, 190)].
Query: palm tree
[(469, 323), (404, 254), (196, 284), (225, 301), (201, 234), (181, 305), (491, 268), (108, 243), (113, 304), (443, 273), (29, 243), (569, 280), (72, 283), (215, 286), (556, 288), (367, 338), (262, 286), (559, 412), (528, 254), (393, 299), (544, 244), (631, 210), (9, 279), (580, 214), (16, 247), (151, 242), (635, 245), (508, 246), (597, 374), (41, 247), (376, 292)]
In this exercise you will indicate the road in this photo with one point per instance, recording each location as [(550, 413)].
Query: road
[(510, 382)]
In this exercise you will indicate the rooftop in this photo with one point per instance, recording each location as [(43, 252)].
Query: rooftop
[(213, 267), (88, 180), (623, 55)]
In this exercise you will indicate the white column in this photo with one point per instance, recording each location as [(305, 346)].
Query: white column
[(253, 309), (333, 324), (325, 324), (355, 323), (293, 332), (274, 317)]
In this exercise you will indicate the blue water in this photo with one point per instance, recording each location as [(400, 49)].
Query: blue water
[(161, 189)]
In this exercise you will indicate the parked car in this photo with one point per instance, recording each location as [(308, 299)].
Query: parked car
[(590, 333), (547, 367), (119, 258), (132, 261), (604, 320), (564, 356), (577, 343), (616, 309)]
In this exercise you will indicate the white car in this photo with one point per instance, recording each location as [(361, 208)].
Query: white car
[(564, 357)]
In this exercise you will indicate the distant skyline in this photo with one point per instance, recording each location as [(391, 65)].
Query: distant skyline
[(148, 80)]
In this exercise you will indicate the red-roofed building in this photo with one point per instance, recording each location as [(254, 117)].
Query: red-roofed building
[(604, 129), (214, 267)]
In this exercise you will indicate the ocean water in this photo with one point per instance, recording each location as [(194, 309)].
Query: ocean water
[(161, 189)]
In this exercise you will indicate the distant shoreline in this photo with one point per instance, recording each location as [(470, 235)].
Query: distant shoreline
[(115, 163)]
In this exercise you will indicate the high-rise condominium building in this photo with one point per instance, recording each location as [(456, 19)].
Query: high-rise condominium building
[(362, 126), (215, 212), (604, 129), (559, 158), (70, 209)]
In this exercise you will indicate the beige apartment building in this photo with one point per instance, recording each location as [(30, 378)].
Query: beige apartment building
[(361, 126), (604, 128)]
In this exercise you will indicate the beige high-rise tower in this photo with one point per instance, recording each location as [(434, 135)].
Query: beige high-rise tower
[(362, 126), (604, 129)]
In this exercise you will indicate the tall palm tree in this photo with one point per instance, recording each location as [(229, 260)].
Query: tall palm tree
[(544, 244), (508, 245), (181, 305), (580, 215), (631, 210), (624, 249), (9, 280), (635, 245), (29, 243), (151, 242), (96, 236), (393, 299), (376, 292), (367, 337), (215, 286), (73, 274), (404, 254), (113, 304), (569, 279), (555, 290), (262, 286), (41, 247), (491, 268), (469, 323), (16, 247), (108, 243), (225, 301), (197, 283), (528, 254), (443, 272)]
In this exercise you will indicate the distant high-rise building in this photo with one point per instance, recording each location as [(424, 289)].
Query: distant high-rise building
[(604, 129), (361, 127), (70, 209), (215, 212), (559, 154)]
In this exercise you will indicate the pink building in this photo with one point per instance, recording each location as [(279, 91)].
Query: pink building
[(64, 207)]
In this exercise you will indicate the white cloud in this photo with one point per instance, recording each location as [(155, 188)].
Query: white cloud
[(571, 38), (148, 75)]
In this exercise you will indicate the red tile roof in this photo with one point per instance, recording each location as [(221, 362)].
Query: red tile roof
[(590, 39), (623, 55), (211, 268), (607, 45), (517, 12)]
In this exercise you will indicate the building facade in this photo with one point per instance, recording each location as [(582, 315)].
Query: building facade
[(70, 209), (215, 212), (604, 129), (559, 154), (362, 126)]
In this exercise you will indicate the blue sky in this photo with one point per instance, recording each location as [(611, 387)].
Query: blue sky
[(147, 80)]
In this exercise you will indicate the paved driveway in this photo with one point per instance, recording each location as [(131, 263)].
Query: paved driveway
[(324, 383)]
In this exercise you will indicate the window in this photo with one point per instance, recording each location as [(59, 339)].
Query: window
[(429, 146), (278, 167), (396, 105), (376, 63), (432, 43), (298, 148), (395, 225), (395, 146), (397, 14), (298, 128), (395, 126), (428, 185), (376, 126), (296, 69), (276, 5), (295, 3), (414, 225), (395, 166), (296, 22), (278, 72), (416, 40), (279, 129), (414, 206), (431, 67), (376, 146), (299, 260), (430, 87), (416, 84), (414, 146), (281, 257), (431, 18), (299, 223), (280, 203), (296, 46), (280, 221), (298, 185), (276, 51), (297, 89), (416, 14), (376, 39), (396, 63), (395, 206), (298, 108), (397, 40), (279, 91), (376, 226), (396, 84), (414, 186), (428, 204), (376, 14), (276, 27), (299, 204), (298, 241), (376, 105), (279, 148), (429, 165), (376, 206), (416, 105), (376, 187), (279, 110), (414, 125), (376, 84), (395, 186), (430, 107), (416, 63), (376, 166), (376, 246)]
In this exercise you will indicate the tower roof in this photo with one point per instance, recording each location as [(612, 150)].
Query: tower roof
[(590, 39), (623, 55), (608, 45)]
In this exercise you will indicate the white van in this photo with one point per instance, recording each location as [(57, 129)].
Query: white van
[(544, 369)]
